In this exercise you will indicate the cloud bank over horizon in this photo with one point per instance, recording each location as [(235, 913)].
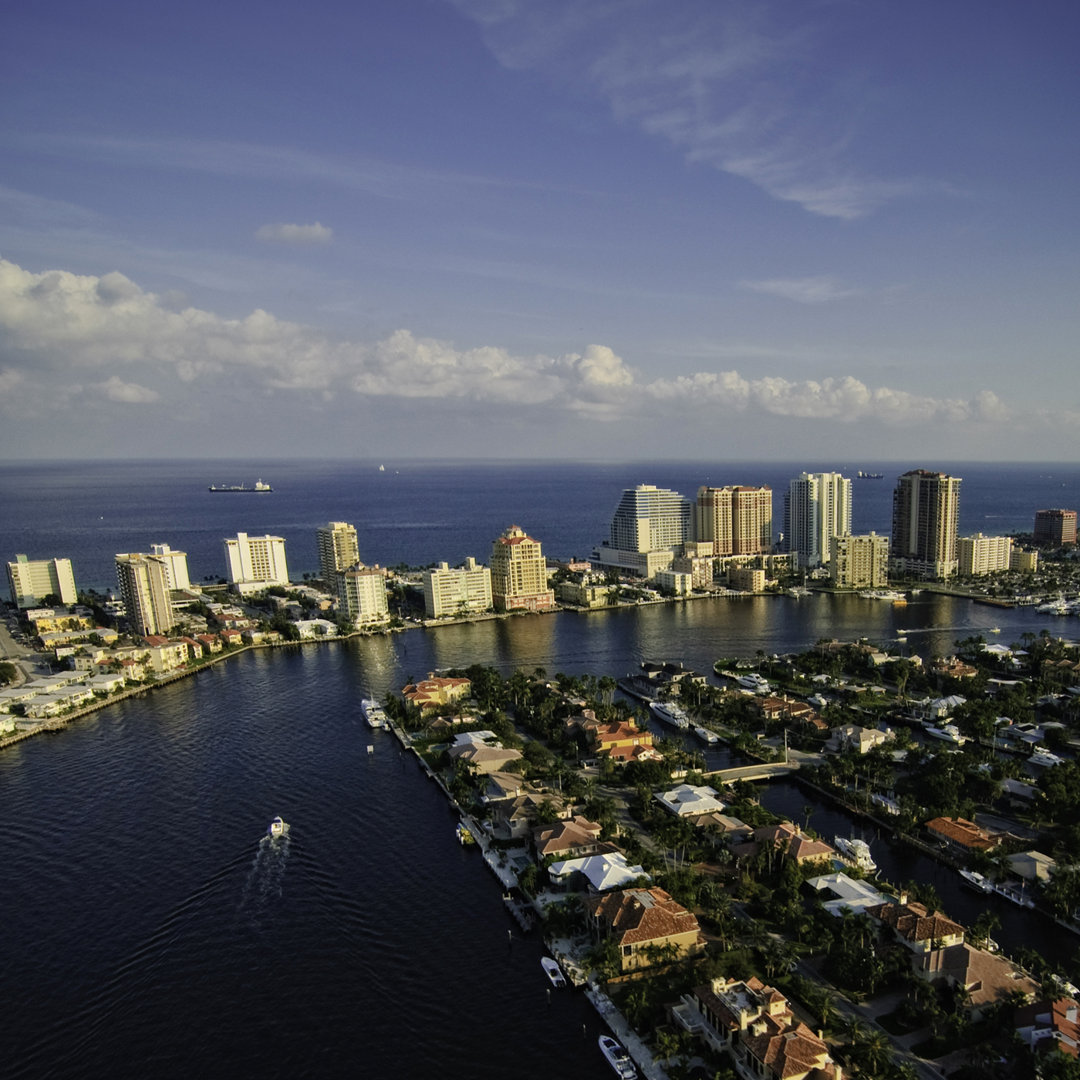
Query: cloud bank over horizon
[(64, 336)]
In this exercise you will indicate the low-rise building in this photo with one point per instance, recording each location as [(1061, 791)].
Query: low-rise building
[(647, 925), (688, 800), (462, 590), (961, 835), (978, 554), (435, 692)]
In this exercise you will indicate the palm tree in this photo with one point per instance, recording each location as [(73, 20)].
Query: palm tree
[(873, 1050)]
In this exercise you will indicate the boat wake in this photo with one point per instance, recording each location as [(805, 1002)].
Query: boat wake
[(266, 878)]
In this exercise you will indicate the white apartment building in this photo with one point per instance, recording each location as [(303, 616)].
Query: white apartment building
[(817, 507), (30, 580), (338, 550), (859, 562), (256, 562), (144, 584), (980, 554), (456, 591), (362, 595), (175, 564), (648, 529)]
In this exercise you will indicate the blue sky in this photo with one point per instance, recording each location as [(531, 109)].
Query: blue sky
[(612, 229)]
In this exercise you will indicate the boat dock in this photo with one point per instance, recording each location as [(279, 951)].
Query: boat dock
[(620, 1027)]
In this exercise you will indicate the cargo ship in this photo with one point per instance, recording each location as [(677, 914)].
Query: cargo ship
[(259, 487)]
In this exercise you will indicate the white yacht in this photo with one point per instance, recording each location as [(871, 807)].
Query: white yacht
[(277, 827), (973, 879), (949, 733), (855, 851), (754, 682), (553, 972), (373, 713), (670, 713), (705, 735), (1045, 758), (617, 1057)]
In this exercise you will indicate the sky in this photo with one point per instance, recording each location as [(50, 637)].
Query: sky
[(599, 230)]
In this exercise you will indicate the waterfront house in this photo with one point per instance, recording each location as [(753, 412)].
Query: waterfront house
[(1050, 1025), (572, 838), (596, 873), (848, 894), (859, 739), (503, 785), (435, 692), (756, 1025), (788, 841), (925, 934), (647, 925), (960, 835), (514, 819)]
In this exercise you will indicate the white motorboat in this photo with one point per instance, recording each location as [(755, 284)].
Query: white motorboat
[(617, 1057), (974, 880), (754, 682), (373, 713), (277, 827), (553, 972), (1045, 758), (670, 713), (706, 735), (949, 733), (855, 851)]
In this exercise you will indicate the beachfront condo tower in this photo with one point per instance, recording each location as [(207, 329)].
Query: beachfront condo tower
[(144, 585), (734, 520), (648, 529), (926, 513), (519, 573), (338, 550), (256, 562), (30, 580), (817, 507)]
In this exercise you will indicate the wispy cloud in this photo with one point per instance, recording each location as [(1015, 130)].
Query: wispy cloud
[(729, 85), (63, 329), (807, 290), (302, 235)]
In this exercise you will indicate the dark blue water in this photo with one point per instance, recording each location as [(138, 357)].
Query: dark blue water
[(148, 928), (419, 512)]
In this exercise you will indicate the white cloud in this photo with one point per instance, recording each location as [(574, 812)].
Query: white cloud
[(808, 290), (302, 235), (732, 86), (62, 330)]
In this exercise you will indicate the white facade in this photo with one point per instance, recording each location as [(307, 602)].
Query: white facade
[(256, 562), (455, 591), (144, 584), (30, 580), (980, 554), (817, 507), (175, 563), (649, 518), (674, 581), (362, 595)]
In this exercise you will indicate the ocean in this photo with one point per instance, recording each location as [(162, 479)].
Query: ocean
[(149, 927)]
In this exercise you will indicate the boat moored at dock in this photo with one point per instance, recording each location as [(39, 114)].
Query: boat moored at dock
[(373, 713), (856, 852), (670, 713), (617, 1057), (553, 972)]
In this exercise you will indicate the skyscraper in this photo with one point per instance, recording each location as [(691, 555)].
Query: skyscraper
[(649, 527), (144, 584), (1055, 528), (817, 507), (338, 550), (32, 579), (256, 562), (519, 573), (926, 514), (735, 520)]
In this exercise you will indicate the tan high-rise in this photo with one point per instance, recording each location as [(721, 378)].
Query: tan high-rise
[(735, 520), (519, 573)]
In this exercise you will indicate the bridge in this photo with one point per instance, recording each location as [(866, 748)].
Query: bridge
[(761, 771)]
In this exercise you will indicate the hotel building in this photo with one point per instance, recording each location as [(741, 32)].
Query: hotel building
[(926, 512), (1055, 528), (338, 550), (859, 562), (648, 529), (457, 591), (30, 580), (734, 520), (256, 562), (817, 507), (980, 554), (519, 574), (144, 585)]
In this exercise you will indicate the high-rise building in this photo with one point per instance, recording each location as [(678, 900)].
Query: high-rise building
[(817, 507), (30, 580), (362, 595), (859, 562), (456, 591), (1055, 528), (144, 586), (338, 550), (735, 520), (980, 554), (176, 564), (926, 513), (519, 573), (256, 562), (648, 529)]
